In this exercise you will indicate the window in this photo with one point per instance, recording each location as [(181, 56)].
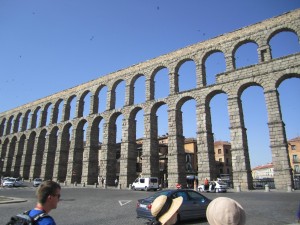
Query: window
[(297, 169), (227, 151), (153, 180), (219, 151), (182, 194), (295, 158), (196, 196), (293, 147), (220, 160)]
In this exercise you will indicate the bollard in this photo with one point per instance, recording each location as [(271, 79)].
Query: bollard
[(238, 188), (120, 186), (267, 189), (289, 188), (95, 185)]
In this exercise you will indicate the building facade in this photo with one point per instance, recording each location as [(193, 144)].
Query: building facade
[(67, 149), (294, 155), (263, 172), (223, 158)]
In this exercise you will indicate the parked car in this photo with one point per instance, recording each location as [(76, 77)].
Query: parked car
[(214, 186), (193, 207), (145, 183), (12, 182), (37, 182)]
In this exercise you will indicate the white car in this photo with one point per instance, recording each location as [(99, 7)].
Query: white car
[(12, 182), (214, 186), (37, 182)]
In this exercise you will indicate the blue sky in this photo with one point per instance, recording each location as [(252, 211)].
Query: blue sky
[(49, 46)]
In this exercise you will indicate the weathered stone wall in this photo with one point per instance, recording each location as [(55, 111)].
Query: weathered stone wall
[(59, 151)]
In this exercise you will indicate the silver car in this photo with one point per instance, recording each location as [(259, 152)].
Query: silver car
[(37, 182), (12, 182)]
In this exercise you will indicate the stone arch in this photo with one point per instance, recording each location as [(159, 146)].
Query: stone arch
[(246, 85), (290, 36), (286, 76), (239, 45), (2, 126), (28, 155), (50, 144), (25, 121), (63, 152), (96, 100), (204, 59), (8, 125), (77, 153), (82, 103), (19, 154), (17, 123), (191, 78), (55, 111), (132, 95), (46, 114), (151, 153), (282, 29), (38, 154), (35, 117), (153, 87), (4, 149), (112, 93), (10, 155), (90, 168), (67, 108)]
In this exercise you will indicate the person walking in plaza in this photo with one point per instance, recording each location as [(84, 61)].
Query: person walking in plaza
[(102, 181), (48, 195), (165, 210), (206, 184), (116, 182), (225, 211)]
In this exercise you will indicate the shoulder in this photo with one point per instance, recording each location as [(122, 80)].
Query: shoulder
[(47, 220)]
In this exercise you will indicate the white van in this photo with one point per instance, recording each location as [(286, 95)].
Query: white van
[(145, 183)]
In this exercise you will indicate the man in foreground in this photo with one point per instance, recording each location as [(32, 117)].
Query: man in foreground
[(48, 195)]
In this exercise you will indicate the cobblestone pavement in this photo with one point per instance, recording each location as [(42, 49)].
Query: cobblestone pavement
[(90, 205)]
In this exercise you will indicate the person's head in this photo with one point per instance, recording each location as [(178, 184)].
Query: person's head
[(225, 211), (48, 192), (165, 209)]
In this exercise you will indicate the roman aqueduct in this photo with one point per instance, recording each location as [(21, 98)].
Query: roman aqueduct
[(32, 147)]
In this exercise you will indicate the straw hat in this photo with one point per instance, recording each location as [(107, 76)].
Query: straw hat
[(225, 211), (163, 207)]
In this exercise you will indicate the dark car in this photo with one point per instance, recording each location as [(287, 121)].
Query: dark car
[(193, 207)]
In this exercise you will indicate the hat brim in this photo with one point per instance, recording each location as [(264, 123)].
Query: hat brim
[(174, 207)]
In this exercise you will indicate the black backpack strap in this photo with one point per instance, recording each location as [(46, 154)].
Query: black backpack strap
[(37, 216)]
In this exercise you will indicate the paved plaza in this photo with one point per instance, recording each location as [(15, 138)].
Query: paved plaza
[(90, 205)]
